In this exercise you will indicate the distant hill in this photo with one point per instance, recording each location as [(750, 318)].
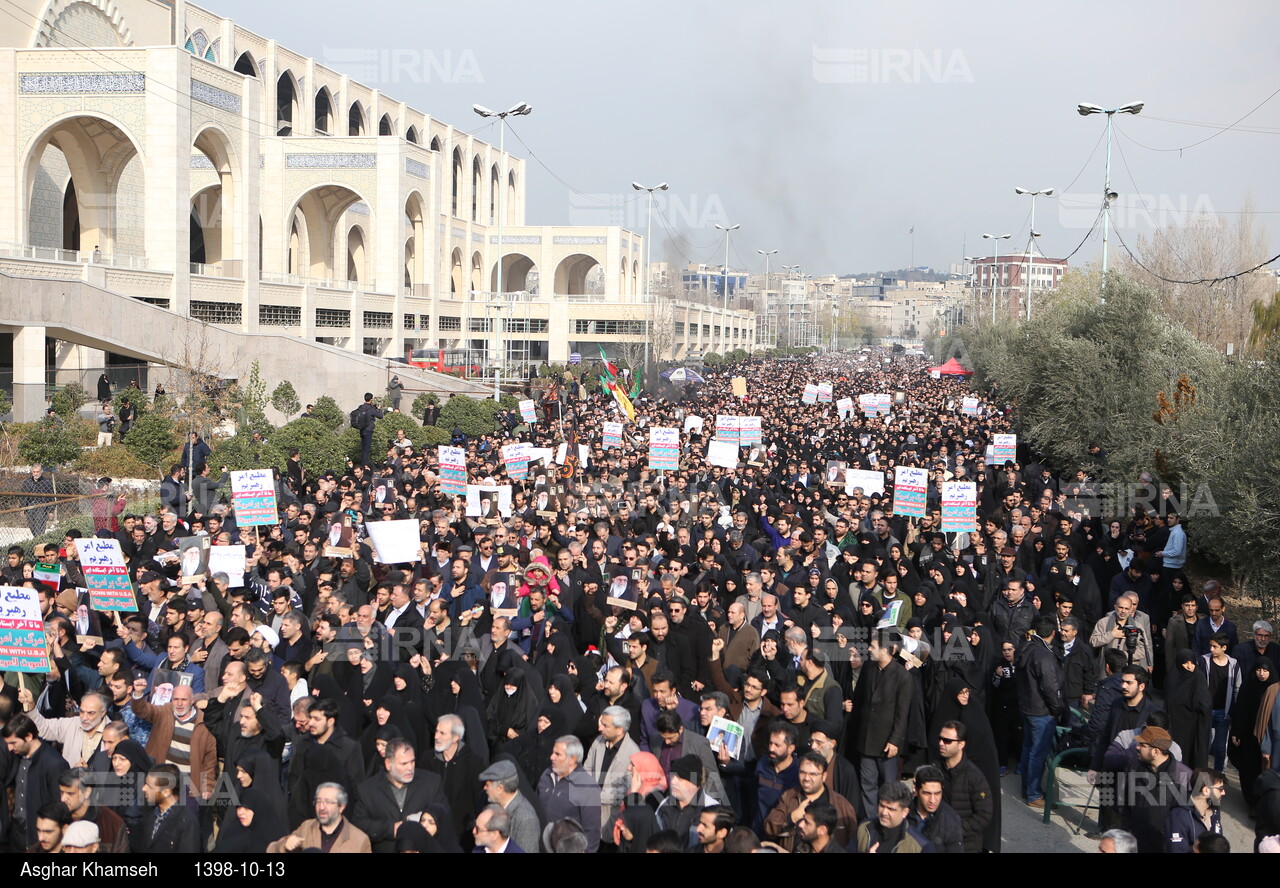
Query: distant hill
[(904, 274)]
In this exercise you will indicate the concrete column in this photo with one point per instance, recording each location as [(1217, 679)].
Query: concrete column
[(28, 374), (168, 184), (248, 209)]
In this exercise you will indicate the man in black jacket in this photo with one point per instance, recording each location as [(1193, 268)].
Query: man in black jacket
[(936, 820), (387, 800), (965, 787), (459, 771), (170, 827), (322, 730), (35, 780), (881, 705), (1039, 683), (1079, 665)]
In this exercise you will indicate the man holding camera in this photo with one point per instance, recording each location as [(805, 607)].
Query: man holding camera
[(1127, 630)]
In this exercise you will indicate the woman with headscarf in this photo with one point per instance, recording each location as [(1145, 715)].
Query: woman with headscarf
[(350, 719), (129, 766), (256, 768), (408, 690), (251, 825), (638, 819), (371, 682), (1256, 698), (1190, 708), (768, 658), (412, 838), (561, 695), (834, 599), (532, 750), (389, 711), (508, 712), (437, 820)]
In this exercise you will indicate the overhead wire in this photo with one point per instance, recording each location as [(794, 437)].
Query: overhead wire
[(1228, 128)]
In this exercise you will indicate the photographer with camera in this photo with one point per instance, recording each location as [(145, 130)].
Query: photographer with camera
[(1127, 630)]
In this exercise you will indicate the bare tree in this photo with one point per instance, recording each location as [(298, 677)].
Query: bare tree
[(1206, 247)]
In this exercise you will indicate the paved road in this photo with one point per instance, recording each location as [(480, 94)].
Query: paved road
[(1025, 830)]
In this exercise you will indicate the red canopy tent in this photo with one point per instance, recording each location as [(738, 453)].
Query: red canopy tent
[(951, 368)]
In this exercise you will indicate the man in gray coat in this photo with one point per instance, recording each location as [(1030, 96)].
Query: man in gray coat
[(674, 735), (502, 786), (607, 761)]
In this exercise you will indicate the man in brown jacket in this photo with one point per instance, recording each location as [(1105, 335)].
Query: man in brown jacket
[(740, 639), (330, 832), (179, 737), (783, 821), (759, 714)]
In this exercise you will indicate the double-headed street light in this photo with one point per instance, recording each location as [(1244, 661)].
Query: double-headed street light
[(766, 254), (995, 268), (519, 110), (1034, 234), (1084, 109), (648, 262), (724, 318)]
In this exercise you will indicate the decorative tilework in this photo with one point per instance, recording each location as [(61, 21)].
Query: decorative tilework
[(476, 237), (200, 162), (577, 239), (459, 232), (54, 84), (516, 239), (331, 161), (417, 168), (360, 208), (218, 98)]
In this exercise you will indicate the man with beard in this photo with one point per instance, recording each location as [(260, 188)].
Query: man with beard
[(697, 637), (386, 800), (459, 770)]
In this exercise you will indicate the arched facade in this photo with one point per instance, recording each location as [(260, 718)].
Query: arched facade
[(320, 209), (73, 175), (288, 104), (356, 124), (516, 271), (571, 274)]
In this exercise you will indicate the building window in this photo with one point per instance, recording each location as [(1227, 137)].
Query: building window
[(279, 316), (450, 322), (479, 325), (216, 312), (377, 320), (679, 328), (424, 322), (526, 325), (410, 321), (333, 317)]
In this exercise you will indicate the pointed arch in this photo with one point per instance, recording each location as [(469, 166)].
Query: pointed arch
[(288, 103), (477, 185), (457, 178), (411, 135), (356, 120), (66, 22), (246, 65), (386, 127)]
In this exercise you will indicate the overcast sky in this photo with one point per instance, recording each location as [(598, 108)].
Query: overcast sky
[(827, 131)]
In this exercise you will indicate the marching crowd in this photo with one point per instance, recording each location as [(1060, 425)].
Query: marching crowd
[(607, 658)]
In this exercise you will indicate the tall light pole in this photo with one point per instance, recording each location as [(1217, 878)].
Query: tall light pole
[(766, 255), (973, 289), (648, 262), (1085, 109), (995, 268), (517, 111), (724, 317), (1031, 249)]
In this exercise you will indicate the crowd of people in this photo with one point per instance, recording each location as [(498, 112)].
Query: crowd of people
[(601, 657)]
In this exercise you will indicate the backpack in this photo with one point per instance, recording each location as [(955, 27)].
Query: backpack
[(359, 419)]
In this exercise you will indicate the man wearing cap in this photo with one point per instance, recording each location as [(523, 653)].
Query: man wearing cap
[(502, 786), (685, 800), (83, 837), (1152, 788)]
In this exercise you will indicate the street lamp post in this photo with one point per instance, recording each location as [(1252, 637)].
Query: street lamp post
[(519, 110), (973, 289), (1031, 249), (766, 255), (1085, 109), (724, 317), (995, 268), (648, 264)]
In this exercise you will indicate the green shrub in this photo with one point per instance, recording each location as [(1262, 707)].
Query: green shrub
[(431, 436), (285, 399), (420, 403), (153, 441), (327, 411), (115, 462), (68, 400), (712, 359), (321, 449), (472, 416), (240, 452), (49, 442)]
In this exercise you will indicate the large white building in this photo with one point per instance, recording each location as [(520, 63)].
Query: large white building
[(161, 152)]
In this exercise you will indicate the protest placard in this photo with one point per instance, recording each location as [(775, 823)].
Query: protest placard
[(1004, 448), (870, 482), (230, 561), (728, 428), (395, 542), (106, 576), (750, 431), (22, 641), (910, 491), (612, 434), (253, 495), (959, 506), (722, 453), (810, 395), (664, 449), (453, 470), (527, 411)]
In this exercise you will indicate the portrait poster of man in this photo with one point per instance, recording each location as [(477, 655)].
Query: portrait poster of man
[(165, 681), (501, 587), (341, 540), (624, 592), (193, 559)]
